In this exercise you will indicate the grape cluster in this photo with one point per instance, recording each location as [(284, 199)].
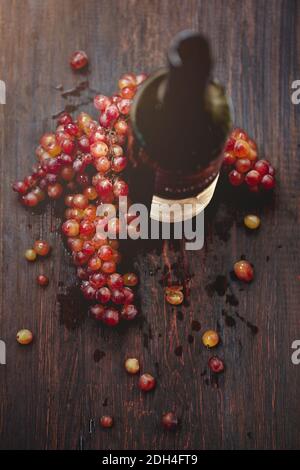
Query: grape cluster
[(82, 162), (241, 158)]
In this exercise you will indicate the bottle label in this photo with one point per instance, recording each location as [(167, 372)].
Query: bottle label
[(179, 210)]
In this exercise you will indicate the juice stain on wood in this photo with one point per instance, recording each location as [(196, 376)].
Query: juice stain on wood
[(72, 308)]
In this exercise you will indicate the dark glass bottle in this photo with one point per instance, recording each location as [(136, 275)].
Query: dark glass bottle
[(180, 120)]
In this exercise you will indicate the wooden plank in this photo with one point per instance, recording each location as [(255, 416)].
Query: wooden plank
[(51, 390)]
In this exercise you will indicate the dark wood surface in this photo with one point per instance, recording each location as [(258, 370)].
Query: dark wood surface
[(50, 390)]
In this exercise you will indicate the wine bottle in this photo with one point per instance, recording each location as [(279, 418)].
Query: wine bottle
[(180, 120)]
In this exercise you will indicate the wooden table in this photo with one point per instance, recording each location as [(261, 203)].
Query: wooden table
[(74, 369)]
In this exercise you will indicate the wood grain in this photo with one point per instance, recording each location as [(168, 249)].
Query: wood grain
[(50, 390)]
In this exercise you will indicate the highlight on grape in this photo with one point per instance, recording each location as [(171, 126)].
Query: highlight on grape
[(2, 353), (135, 222), (2, 92)]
